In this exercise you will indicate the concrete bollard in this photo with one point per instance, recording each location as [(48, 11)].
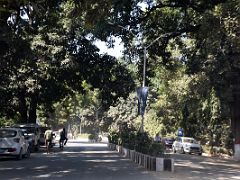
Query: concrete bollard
[(165, 164), (153, 163), (132, 155), (148, 162), (124, 152), (159, 164)]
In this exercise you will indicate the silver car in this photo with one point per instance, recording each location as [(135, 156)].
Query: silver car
[(13, 143), (186, 145)]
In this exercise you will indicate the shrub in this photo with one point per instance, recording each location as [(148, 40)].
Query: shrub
[(156, 149), (83, 135), (113, 137), (91, 137), (141, 142)]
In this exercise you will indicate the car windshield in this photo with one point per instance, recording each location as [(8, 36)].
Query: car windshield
[(190, 141), (5, 133), (28, 130)]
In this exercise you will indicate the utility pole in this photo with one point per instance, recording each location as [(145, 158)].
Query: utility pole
[(142, 92), (144, 66)]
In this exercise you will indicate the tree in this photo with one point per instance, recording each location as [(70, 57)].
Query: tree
[(216, 52), (57, 57), (124, 112)]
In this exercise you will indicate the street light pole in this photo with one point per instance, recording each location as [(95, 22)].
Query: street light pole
[(144, 65), (144, 76), (145, 59), (143, 84), (143, 89)]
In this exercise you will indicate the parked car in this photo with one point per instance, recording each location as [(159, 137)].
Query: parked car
[(168, 141), (186, 145), (32, 131), (13, 143)]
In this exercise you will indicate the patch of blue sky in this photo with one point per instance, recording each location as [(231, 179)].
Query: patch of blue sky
[(116, 50)]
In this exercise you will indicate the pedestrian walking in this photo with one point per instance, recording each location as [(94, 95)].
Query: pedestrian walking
[(48, 135), (63, 138)]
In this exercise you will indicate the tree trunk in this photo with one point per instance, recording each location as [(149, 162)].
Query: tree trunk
[(236, 121), (33, 109), (236, 128), (23, 109)]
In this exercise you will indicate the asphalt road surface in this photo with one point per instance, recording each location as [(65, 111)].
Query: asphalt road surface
[(206, 168), (93, 161), (78, 160)]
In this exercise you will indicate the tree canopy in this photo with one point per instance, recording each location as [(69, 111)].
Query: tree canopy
[(48, 53)]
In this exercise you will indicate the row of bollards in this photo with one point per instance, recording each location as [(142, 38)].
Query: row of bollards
[(149, 162)]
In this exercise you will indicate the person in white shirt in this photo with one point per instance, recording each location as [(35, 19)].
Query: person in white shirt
[(157, 138)]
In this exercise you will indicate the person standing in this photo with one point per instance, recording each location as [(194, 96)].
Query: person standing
[(48, 135), (63, 138), (157, 138)]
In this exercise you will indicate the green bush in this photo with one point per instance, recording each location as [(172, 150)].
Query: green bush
[(131, 141), (141, 142), (113, 137), (83, 135), (91, 137), (156, 149)]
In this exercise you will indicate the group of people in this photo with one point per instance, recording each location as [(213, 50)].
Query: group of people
[(48, 135)]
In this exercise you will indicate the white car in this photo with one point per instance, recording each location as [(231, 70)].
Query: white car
[(56, 137), (186, 145), (13, 143), (33, 132)]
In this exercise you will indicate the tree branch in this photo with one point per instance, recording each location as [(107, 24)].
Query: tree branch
[(198, 7)]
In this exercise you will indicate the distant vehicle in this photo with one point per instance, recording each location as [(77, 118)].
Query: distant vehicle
[(168, 142), (32, 131), (186, 145), (13, 143)]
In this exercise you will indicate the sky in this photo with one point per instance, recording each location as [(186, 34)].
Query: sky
[(118, 46), (116, 51)]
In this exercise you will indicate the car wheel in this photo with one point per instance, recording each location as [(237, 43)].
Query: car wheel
[(37, 147), (32, 148), (28, 153), (20, 155), (200, 154)]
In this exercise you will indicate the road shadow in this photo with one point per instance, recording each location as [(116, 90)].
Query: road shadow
[(76, 161), (195, 167)]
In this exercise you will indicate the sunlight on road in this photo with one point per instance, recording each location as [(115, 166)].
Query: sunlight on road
[(40, 167), (98, 160), (86, 152), (189, 164), (235, 177), (56, 174), (96, 152)]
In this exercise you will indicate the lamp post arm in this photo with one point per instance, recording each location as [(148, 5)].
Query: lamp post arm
[(154, 41), (145, 57)]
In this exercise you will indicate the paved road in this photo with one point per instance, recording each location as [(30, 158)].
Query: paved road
[(93, 161), (79, 160), (207, 168)]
